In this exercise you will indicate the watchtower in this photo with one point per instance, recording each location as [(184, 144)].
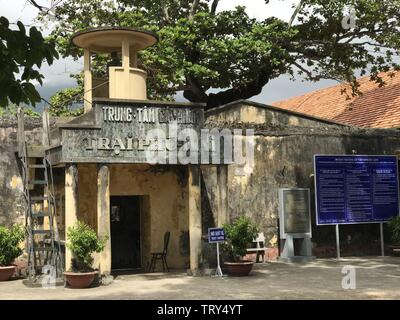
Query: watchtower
[(124, 81)]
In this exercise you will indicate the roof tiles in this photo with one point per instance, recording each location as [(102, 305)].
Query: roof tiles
[(377, 107)]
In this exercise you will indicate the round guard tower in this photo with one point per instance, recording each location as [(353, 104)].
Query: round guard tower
[(106, 178), (125, 81)]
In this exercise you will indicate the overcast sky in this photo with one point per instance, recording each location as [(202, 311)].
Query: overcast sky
[(57, 75)]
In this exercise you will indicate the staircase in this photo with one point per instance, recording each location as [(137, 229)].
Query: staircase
[(45, 258)]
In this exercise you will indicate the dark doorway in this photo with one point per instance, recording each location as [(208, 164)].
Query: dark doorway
[(125, 232)]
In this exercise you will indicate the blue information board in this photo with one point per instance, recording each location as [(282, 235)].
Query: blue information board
[(216, 235), (356, 189)]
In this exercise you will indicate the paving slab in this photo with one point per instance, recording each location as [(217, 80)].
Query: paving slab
[(376, 278)]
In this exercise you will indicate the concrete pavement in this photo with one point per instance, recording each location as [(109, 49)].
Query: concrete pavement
[(376, 278)]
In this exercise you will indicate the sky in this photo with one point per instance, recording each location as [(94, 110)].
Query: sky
[(57, 76)]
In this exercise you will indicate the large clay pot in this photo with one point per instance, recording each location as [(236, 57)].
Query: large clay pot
[(79, 280), (6, 272), (239, 269)]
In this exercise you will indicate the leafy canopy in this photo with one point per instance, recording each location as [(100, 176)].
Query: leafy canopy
[(21, 56), (83, 241), (10, 239), (218, 57)]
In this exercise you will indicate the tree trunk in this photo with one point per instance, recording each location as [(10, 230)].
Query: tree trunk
[(246, 91)]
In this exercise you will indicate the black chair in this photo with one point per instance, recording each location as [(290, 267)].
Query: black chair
[(160, 255)]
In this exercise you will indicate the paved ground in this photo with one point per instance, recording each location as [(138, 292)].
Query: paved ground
[(376, 278)]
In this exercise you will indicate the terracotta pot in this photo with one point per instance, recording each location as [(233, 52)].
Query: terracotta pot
[(239, 269), (6, 272), (79, 280)]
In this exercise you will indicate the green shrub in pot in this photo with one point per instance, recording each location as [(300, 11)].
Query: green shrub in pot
[(10, 240), (239, 234), (83, 242)]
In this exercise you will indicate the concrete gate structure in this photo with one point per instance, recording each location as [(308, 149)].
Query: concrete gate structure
[(103, 154)]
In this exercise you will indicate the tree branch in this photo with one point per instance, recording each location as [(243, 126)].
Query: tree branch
[(296, 12), (349, 36), (240, 92), (166, 14), (307, 72), (193, 8), (193, 91), (36, 5), (214, 7)]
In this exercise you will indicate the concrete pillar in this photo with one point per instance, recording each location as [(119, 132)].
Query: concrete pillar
[(71, 205), (126, 66), (125, 55), (194, 194), (222, 187), (133, 59), (103, 216), (88, 93)]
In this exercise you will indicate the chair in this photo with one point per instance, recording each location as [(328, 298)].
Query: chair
[(160, 255)]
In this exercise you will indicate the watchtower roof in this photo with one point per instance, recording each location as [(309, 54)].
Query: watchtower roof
[(109, 39)]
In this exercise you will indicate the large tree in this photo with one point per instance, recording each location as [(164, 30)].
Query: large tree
[(202, 49), (21, 56)]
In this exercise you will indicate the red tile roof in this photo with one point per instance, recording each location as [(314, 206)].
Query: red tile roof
[(377, 107)]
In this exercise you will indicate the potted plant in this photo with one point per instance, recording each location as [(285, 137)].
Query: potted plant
[(10, 239), (83, 241), (394, 227), (238, 235)]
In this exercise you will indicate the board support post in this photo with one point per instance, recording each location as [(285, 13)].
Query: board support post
[(337, 242)]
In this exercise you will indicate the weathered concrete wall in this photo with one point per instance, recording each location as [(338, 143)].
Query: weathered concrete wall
[(165, 206), (283, 154), (284, 150), (244, 111), (12, 203), (87, 193)]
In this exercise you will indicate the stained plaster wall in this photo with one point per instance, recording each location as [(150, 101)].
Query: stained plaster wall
[(284, 148), (163, 205), (285, 145), (12, 203)]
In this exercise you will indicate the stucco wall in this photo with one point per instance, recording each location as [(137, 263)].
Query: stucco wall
[(163, 205), (284, 149), (12, 203), (167, 201), (244, 111), (283, 157)]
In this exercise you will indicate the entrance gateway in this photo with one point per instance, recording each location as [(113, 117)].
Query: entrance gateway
[(110, 142), (125, 232), (108, 181)]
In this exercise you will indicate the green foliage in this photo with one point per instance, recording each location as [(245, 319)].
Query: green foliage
[(202, 51), (11, 110), (61, 102), (10, 238), (83, 241), (239, 234), (21, 54), (394, 227)]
